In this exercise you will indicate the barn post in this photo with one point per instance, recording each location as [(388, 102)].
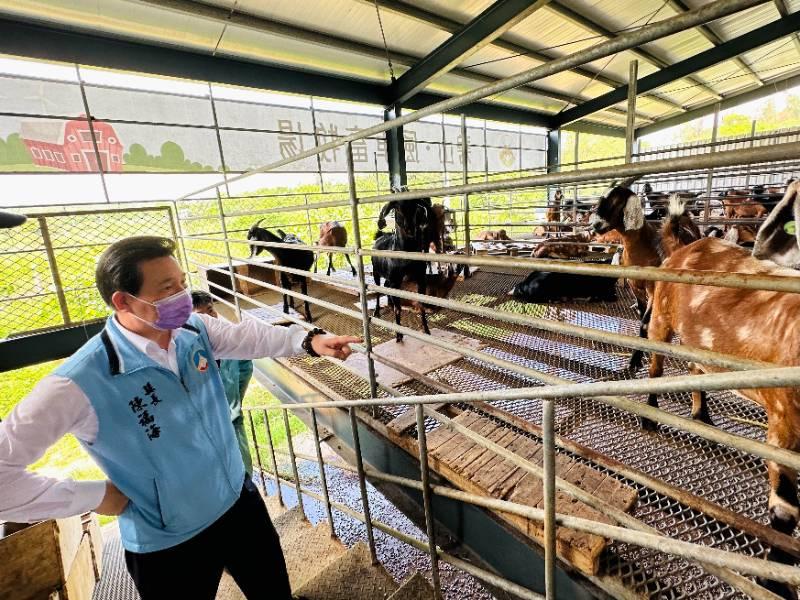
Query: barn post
[(710, 179), (465, 178), (395, 150)]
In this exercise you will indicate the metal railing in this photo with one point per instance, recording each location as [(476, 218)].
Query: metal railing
[(548, 388), (727, 566), (47, 265)]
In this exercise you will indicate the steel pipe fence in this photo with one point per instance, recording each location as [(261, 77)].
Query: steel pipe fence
[(541, 385), (548, 388)]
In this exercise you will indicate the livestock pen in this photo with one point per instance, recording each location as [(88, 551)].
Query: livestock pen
[(515, 428)]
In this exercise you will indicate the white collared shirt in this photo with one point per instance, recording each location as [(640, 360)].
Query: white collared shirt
[(57, 406)]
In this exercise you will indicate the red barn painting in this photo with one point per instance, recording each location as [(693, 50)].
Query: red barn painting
[(67, 145)]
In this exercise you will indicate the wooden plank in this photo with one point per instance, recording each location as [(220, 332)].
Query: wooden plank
[(522, 447), (459, 444), (30, 562), (617, 494), (408, 419), (498, 436), (477, 450), (91, 526), (69, 533), (415, 354), (479, 470), (532, 453), (443, 434), (584, 477), (80, 581), (460, 453), (529, 491)]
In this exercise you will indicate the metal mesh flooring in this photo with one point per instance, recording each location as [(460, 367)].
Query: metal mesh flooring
[(732, 479)]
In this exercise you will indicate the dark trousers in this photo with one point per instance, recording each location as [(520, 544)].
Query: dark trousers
[(243, 541)]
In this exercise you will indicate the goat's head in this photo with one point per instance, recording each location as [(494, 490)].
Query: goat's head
[(619, 209), (647, 189), (260, 234), (778, 239), (256, 233), (558, 196)]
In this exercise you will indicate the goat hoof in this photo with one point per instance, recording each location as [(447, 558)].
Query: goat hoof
[(399, 338), (649, 425), (781, 590)]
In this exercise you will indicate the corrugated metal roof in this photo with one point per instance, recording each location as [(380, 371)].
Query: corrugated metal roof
[(344, 38)]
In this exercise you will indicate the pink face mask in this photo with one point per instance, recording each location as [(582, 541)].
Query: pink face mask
[(173, 311)]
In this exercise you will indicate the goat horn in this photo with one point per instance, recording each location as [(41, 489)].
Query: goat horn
[(259, 222)]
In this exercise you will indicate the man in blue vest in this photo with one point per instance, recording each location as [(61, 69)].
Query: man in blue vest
[(236, 375), (145, 399)]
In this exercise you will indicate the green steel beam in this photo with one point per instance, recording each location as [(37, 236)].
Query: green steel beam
[(25, 351), (498, 18), (86, 48), (725, 51)]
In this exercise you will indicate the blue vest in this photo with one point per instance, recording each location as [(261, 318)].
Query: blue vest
[(165, 441)]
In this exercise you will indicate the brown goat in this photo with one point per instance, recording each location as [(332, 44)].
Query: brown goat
[(566, 247), (439, 286), (333, 233), (553, 214), (621, 210), (752, 324), (610, 237), (678, 229), (488, 235), (742, 235), (739, 205)]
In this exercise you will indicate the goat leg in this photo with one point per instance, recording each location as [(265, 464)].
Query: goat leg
[(352, 268), (398, 310), (304, 289), (330, 263), (316, 261), (287, 299), (784, 508), (699, 400), (661, 331), (377, 280), (421, 289), (637, 355)]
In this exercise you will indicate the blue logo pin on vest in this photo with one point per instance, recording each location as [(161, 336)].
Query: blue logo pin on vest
[(200, 360)]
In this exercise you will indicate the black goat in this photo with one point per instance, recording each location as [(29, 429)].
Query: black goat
[(543, 286), (410, 235), (286, 257), (434, 230)]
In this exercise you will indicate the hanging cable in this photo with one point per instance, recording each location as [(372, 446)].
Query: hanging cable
[(385, 46), (224, 28)]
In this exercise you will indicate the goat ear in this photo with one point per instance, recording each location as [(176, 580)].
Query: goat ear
[(633, 215), (281, 233)]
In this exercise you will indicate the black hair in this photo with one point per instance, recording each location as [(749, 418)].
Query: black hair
[(118, 266), (201, 298)]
